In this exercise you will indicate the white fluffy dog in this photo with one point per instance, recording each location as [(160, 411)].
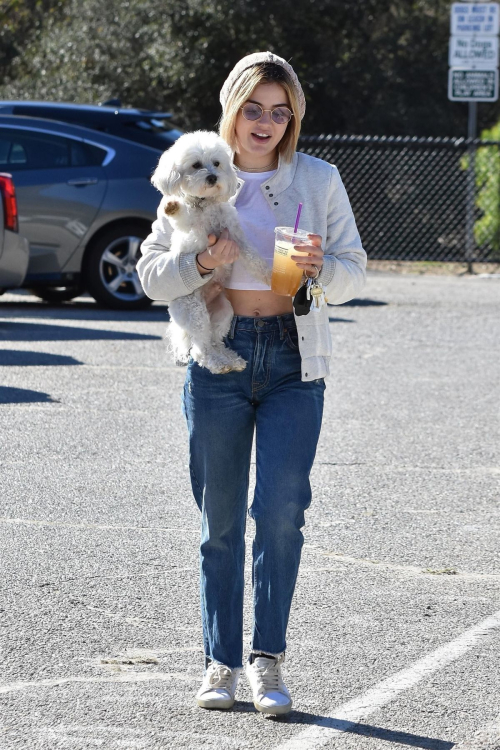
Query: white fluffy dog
[(198, 177)]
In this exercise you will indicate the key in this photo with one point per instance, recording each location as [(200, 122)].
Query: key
[(317, 294), (308, 290)]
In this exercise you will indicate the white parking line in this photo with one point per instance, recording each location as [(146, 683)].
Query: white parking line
[(349, 714), (118, 677), (100, 526)]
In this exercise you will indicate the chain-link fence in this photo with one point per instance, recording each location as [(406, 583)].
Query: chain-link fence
[(419, 198)]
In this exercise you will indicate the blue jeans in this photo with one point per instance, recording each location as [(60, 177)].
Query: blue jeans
[(222, 412)]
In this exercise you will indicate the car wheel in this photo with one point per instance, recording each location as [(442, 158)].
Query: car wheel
[(109, 268), (57, 294)]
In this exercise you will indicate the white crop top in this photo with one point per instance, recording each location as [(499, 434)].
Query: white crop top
[(258, 222)]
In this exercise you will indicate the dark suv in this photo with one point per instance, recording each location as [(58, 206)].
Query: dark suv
[(147, 127)]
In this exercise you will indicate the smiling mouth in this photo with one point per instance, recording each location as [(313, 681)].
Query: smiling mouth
[(263, 137)]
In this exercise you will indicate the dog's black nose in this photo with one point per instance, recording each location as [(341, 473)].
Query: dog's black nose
[(212, 179)]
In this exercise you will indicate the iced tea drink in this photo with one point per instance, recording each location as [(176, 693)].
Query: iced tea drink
[(286, 274)]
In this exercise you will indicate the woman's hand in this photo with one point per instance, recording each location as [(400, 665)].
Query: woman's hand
[(315, 259), (219, 251)]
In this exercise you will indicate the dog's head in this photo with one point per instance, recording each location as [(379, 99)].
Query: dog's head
[(199, 164)]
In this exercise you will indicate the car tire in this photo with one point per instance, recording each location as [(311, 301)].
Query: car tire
[(55, 295), (109, 268)]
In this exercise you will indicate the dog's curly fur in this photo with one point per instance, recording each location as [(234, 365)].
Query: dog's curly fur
[(197, 177)]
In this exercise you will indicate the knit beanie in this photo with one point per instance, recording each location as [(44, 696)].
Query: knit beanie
[(254, 59)]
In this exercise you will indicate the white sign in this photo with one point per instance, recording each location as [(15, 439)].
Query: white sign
[(473, 85), (471, 18), (474, 51)]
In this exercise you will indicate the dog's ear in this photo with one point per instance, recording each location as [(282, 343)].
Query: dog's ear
[(225, 156), (167, 177), (232, 181)]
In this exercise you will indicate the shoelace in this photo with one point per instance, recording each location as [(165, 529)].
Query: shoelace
[(220, 676), (267, 675)]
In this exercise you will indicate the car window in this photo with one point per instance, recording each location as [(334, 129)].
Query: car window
[(32, 150)]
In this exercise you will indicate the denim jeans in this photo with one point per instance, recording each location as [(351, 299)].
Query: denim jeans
[(222, 412)]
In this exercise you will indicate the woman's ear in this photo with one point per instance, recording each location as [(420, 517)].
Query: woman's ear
[(167, 177)]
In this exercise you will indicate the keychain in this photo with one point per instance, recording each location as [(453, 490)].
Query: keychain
[(302, 301), (318, 295), (310, 296)]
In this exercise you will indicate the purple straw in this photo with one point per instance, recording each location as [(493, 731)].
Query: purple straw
[(298, 218)]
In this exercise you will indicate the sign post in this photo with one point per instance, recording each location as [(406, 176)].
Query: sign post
[(473, 78)]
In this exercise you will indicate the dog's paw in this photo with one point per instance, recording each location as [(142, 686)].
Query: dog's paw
[(237, 363), (219, 361), (228, 359), (171, 207)]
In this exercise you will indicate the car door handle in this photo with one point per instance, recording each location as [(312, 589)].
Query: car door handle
[(84, 181)]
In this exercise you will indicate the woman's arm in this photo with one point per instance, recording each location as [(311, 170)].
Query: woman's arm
[(164, 276), (343, 274)]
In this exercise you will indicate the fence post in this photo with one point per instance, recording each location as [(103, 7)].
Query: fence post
[(471, 187)]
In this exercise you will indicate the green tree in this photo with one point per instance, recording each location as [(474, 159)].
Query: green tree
[(376, 67), (487, 179)]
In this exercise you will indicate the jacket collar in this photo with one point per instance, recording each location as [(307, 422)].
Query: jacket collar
[(280, 181)]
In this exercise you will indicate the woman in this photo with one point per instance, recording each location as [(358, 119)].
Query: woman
[(280, 393)]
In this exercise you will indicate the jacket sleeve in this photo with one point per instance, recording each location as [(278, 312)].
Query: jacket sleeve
[(164, 275), (343, 274)]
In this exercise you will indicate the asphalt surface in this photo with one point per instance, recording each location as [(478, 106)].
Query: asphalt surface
[(395, 624)]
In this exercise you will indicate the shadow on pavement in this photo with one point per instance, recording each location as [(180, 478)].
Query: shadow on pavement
[(23, 396), (362, 303), (83, 309), (17, 358), (16, 331), (364, 730)]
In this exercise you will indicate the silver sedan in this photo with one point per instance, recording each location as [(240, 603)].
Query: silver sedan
[(85, 205)]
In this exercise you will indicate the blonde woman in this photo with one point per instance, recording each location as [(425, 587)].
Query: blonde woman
[(279, 396)]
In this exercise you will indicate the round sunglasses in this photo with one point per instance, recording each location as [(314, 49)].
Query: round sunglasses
[(279, 115)]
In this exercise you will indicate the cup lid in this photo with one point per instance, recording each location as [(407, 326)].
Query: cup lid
[(290, 231)]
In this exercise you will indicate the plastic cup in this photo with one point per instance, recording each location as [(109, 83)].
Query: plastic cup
[(287, 276)]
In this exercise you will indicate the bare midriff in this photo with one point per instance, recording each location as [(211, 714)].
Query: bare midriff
[(258, 304)]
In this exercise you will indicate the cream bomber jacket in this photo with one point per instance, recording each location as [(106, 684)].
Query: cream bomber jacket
[(326, 211)]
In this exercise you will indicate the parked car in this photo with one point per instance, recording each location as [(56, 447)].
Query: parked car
[(149, 127), (14, 248), (86, 203)]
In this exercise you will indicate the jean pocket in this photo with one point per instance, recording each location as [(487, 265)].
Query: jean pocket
[(292, 339)]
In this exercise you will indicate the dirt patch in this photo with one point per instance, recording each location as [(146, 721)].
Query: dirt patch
[(431, 267)]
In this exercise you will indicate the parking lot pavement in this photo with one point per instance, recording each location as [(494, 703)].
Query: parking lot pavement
[(394, 634)]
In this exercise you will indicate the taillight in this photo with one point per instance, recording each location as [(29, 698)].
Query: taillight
[(9, 202)]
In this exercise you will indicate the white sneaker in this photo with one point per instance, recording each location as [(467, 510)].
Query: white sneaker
[(218, 687), (270, 694)]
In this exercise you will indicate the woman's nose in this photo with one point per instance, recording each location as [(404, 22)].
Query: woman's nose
[(266, 117)]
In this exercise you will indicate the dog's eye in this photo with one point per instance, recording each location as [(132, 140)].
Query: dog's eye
[(197, 165), (216, 163)]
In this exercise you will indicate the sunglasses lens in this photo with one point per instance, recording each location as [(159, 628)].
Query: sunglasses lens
[(252, 112), (281, 115)]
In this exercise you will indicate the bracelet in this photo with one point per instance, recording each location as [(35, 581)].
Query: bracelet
[(204, 268)]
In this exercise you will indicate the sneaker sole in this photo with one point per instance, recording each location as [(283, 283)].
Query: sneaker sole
[(276, 711), (223, 703)]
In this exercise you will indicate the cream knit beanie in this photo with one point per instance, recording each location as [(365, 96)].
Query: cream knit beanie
[(254, 59)]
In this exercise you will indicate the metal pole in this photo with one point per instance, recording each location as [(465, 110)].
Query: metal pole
[(471, 188)]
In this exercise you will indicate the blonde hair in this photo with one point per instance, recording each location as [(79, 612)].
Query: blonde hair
[(241, 92)]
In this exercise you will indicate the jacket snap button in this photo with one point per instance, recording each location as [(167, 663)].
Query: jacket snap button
[(307, 374), (270, 195), (302, 338), (275, 203), (267, 187)]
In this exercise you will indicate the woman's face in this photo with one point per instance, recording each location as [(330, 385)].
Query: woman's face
[(257, 139)]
